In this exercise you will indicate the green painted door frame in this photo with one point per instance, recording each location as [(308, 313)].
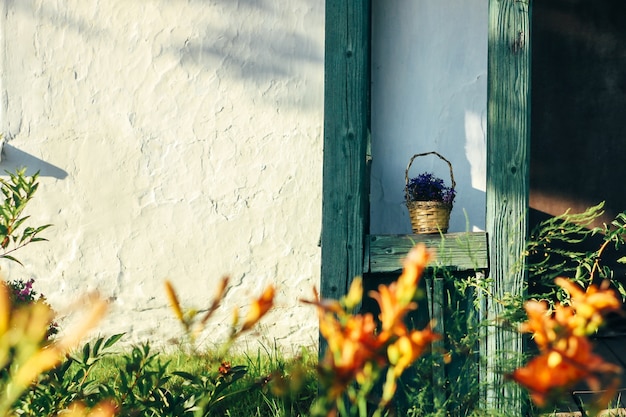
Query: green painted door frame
[(508, 171), (345, 206)]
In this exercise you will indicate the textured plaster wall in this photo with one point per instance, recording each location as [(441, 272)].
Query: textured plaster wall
[(429, 93), (176, 139)]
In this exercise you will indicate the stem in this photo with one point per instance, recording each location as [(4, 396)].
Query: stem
[(596, 262)]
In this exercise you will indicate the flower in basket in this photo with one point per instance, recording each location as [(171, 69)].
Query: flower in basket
[(427, 187)]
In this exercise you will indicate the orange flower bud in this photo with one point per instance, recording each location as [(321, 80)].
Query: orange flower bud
[(259, 307), (174, 303), (355, 294)]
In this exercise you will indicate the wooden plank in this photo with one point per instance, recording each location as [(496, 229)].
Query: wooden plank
[(436, 310), (508, 133), (345, 203), (455, 251)]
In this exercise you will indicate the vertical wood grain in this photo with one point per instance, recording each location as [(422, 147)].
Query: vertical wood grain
[(345, 204), (508, 132), (345, 194)]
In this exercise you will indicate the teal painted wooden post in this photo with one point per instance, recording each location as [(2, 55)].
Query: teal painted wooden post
[(508, 132), (345, 206), (436, 309)]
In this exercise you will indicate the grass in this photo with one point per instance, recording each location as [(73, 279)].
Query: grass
[(270, 373)]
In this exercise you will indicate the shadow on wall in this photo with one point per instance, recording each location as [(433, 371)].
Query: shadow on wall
[(13, 159), (250, 49)]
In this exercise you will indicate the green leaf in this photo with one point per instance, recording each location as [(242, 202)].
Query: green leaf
[(185, 375), (112, 340), (11, 258), (42, 228), (19, 222), (97, 345), (86, 353)]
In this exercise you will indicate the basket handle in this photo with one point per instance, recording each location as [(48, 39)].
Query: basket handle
[(406, 174)]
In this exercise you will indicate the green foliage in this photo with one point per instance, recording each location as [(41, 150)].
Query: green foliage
[(139, 387), (568, 246), (143, 382), (71, 381), (17, 191), (214, 389), (562, 246)]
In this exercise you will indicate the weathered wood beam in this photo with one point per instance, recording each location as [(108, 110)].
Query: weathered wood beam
[(345, 204), (455, 251), (508, 133)]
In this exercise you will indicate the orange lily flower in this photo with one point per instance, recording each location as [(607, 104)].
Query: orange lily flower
[(413, 267), (221, 290), (357, 349), (541, 379), (351, 346), (396, 299), (593, 299), (566, 356), (174, 303), (408, 348), (392, 310), (553, 372), (590, 304), (259, 307), (539, 323)]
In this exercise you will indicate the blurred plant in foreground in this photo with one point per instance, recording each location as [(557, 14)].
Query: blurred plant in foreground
[(24, 355), (565, 351), (216, 387), (359, 350), (193, 323), (21, 293)]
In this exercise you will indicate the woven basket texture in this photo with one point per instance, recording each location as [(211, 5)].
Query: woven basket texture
[(428, 216)]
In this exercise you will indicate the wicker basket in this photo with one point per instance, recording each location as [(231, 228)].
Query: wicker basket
[(428, 216)]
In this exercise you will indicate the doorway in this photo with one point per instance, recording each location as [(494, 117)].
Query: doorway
[(578, 112)]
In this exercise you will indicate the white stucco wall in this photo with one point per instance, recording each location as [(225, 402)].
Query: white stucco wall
[(182, 140), (176, 140), (429, 93)]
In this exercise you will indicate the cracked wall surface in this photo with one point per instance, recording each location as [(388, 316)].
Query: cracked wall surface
[(176, 139)]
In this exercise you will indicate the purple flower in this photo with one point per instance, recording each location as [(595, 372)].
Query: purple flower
[(427, 187), (22, 293)]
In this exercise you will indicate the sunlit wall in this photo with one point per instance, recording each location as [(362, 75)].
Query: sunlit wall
[(429, 93)]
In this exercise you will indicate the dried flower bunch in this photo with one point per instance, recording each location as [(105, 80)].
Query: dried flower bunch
[(428, 199), (427, 187)]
